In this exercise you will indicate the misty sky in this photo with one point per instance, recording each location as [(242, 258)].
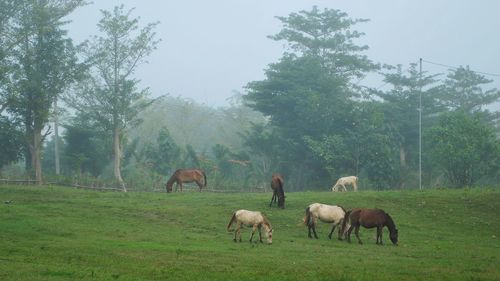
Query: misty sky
[(211, 48)]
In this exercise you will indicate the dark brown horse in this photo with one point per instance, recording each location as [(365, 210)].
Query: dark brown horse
[(278, 192), (184, 175), (370, 218)]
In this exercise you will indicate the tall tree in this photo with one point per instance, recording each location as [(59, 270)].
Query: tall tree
[(309, 91), (45, 66), (463, 90), (401, 108), (110, 95)]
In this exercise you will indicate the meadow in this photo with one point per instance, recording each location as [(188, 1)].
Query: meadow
[(58, 233)]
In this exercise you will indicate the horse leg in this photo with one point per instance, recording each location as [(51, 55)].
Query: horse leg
[(253, 231), (260, 233), (343, 187), (272, 199), (199, 184), (340, 232), (379, 235), (236, 231), (355, 186), (309, 230), (333, 228), (349, 233), (356, 231), (314, 229), (239, 231)]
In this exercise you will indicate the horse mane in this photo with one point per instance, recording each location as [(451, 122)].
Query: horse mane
[(204, 177), (343, 209), (390, 222), (281, 195), (266, 221), (172, 179)]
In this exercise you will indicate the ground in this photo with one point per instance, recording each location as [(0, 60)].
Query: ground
[(58, 233)]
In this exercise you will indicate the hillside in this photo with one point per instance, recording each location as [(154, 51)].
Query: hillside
[(55, 233)]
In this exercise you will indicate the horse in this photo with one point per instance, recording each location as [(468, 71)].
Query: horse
[(187, 175), (326, 213), (278, 192), (351, 180), (370, 218), (254, 219)]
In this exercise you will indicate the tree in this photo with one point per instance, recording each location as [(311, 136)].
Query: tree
[(45, 65), (464, 146), (309, 92), (164, 154), (10, 140), (463, 90), (110, 95), (401, 105)]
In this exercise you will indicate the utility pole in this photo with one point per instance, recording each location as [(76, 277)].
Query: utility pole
[(420, 129), (56, 137)]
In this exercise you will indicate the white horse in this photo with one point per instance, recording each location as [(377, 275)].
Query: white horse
[(342, 182), (326, 213), (254, 219)]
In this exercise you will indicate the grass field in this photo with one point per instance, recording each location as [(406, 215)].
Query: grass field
[(55, 233)]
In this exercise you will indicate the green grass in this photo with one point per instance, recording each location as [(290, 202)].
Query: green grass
[(54, 233)]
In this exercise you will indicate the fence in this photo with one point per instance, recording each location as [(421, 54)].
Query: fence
[(186, 188)]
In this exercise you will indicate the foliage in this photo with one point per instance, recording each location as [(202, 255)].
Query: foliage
[(43, 65), (11, 142), (465, 147), (307, 94), (110, 94), (463, 90)]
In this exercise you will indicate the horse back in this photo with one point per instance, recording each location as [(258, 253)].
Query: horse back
[(327, 213), (276, 181), (368, 217)]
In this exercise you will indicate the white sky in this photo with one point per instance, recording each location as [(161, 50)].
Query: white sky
[(211, 48)]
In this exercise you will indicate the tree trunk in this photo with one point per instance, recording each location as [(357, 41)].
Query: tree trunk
[(402, 166), (36, 157), (117, 160)]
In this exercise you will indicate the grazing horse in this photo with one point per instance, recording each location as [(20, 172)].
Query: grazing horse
[(278, 192), (254, 219), (342, 182), (370, 218), (184, 175), (326, 213)]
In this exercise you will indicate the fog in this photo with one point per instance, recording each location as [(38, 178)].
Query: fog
[(210, 49)]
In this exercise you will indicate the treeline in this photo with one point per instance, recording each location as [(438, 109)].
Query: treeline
[(310, 118)]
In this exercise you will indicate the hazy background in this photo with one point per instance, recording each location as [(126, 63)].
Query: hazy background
[(212, 48)]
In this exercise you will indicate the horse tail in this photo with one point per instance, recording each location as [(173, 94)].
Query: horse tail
[(307, 217), (346, 220), (233, 219)]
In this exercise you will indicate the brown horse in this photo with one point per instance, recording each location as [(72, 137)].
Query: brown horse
[(370, 218), (278, 192), (184, 175)]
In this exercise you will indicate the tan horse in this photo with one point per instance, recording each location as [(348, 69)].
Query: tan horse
[(370, 218), (254, 219), (278, 192), (326, 213), (184, 175), (342, 182)]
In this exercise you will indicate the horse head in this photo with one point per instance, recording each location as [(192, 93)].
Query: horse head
[(270, 236), (393, 235), (168, 187)]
